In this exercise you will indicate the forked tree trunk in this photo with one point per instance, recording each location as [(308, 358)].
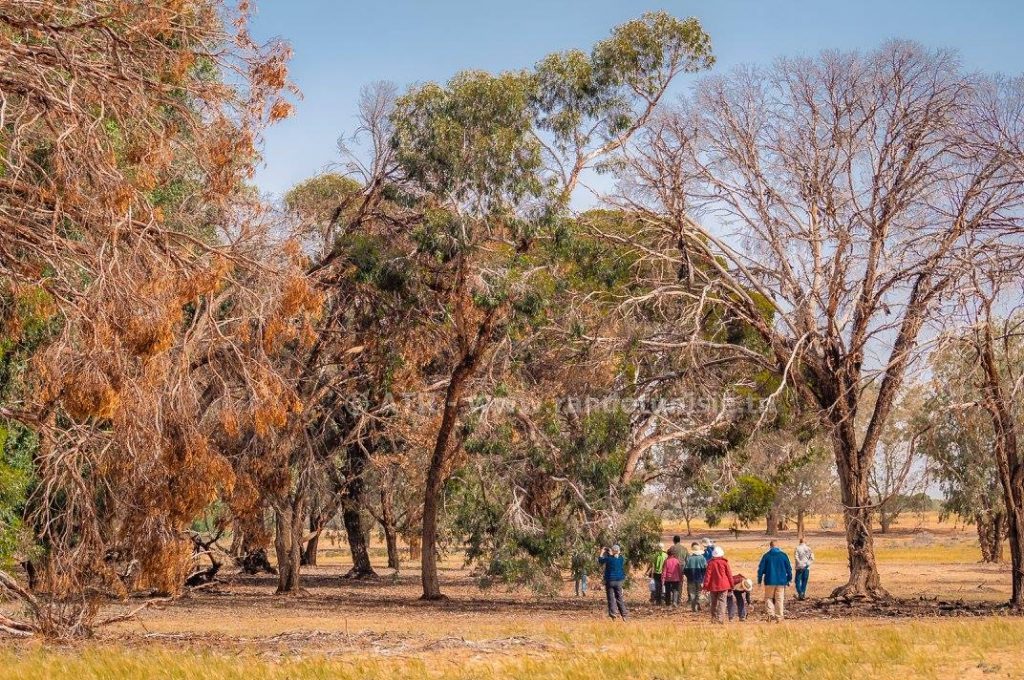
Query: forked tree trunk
[(436, 477), (439, 458), (290, 518), (352, 500)]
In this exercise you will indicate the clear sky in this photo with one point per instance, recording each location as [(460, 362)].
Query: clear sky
[(340, 45)]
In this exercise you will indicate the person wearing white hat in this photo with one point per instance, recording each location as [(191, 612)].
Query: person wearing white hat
[(614, 574), (718, 583)]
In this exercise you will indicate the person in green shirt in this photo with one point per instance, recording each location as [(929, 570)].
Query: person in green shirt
[(655, 571)]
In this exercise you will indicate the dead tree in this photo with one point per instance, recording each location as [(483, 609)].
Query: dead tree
[(840, 195)]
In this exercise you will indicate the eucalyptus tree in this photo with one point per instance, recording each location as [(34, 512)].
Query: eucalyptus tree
[(957, 440), (496, 160), (852, 192)]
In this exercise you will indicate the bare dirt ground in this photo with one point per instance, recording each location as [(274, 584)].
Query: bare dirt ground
[(931, 569)]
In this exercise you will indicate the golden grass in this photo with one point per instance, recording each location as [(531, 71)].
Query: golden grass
[(341, 629), (919, 649)]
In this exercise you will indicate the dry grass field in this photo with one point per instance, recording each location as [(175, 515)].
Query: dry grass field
[(941, 627)]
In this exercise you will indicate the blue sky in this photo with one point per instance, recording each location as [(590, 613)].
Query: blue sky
[(340, 45)]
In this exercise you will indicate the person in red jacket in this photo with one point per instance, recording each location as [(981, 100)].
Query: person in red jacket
[(718, 583)]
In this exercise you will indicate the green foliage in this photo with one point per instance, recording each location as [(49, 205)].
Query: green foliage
[(750, 499), (471, 139), (17, 446), (374, 263), (317, 198), (639, 58), (524, 510)]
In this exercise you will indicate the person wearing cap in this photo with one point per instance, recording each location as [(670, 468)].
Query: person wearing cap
[(614, 574), (672, 577), (694, 569), (655, 572), (739, 597), (718, 583), (776, 573), (804, 559)]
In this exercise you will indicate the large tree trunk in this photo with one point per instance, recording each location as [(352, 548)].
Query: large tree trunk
[(853, 468), (772, 523), (1009, 463), (439, 458), (436, 474), (352, 500), (800, 524), (290, 518)]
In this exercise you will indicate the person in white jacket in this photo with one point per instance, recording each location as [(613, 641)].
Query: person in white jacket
[(804, 558)]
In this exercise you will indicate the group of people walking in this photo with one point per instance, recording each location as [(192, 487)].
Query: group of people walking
[(708, 575)]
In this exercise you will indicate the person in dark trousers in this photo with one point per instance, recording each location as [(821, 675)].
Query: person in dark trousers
[(614, 574), (655, 572), (739, 598), (694, 568), (776, 573), (673, 577), (718, 583)]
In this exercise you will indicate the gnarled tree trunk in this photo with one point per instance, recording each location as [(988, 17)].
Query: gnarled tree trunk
[(352, 499), (854, 472), (289, 515), (991, 529)]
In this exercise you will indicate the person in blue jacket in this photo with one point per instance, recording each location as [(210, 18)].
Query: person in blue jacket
[(709, 549), (776, 573), (614, 574)]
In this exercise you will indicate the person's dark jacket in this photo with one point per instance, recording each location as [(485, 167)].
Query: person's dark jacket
[(775, 569), (695, 567), (709, 553), (614, 567)]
